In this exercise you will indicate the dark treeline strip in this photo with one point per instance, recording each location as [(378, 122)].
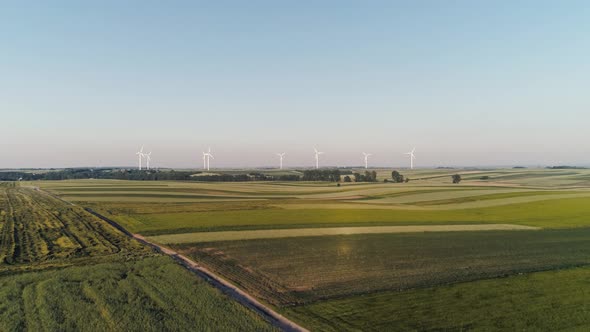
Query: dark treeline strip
[(332, 175)]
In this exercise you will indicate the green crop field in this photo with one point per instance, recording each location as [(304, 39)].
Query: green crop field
[(150, 294), (63, 269), (542, 301), (366, 278), (292, 271)]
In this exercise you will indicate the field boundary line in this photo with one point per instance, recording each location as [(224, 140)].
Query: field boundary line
[(213, 279), (200, 237)]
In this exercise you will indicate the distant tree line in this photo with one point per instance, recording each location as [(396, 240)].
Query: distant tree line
[(166, 175), (367, 177), (332, 175), (566, 167)]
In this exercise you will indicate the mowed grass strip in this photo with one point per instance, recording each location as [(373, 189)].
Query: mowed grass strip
[(285, 233), (301, 270), (151, 294), (542, 301)]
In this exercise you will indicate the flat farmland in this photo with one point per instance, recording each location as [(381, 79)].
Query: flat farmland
[(325, 231), (150, 294), (294, 271), (37, 228), (158, 218), (323, 254), (63, 269), (541, 301), (156, 208)]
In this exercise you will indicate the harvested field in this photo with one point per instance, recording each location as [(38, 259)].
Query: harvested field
[(39, 228)]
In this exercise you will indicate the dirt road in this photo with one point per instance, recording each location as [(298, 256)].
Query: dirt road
[(225, 286)]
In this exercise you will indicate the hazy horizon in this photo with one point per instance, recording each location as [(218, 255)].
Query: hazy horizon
[(467, 84)]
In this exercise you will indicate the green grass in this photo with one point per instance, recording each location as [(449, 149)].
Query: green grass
[(62, 269), (543, 301), (151, 294), (353, 282), (555, 213), (301, 270), (477, 198)]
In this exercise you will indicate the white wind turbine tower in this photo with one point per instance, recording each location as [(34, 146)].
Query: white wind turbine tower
[(412, 157), (207, 156), (148, 158), (367, 155), (281, 156), (317, 158), (140, 154)]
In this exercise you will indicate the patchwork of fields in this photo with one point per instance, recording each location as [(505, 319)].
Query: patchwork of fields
[(64, 269), (296, 271), (284, 243)]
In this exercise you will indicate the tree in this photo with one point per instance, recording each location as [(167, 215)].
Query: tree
[(456, 178), (357, 177), (397, 177), (347, 179)]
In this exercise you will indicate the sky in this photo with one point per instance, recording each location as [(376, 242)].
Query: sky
[(467, 83)]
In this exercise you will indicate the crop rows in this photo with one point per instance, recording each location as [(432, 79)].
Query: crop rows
[(37, 227), (147, 294), (303, 270)]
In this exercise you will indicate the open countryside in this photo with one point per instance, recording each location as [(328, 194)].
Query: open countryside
[(313, 249), (294, 166)]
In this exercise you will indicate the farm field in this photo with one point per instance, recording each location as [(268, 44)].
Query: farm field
[(38, 230), (61, 268), (294, 271), (325, 255), (542, 301), (150, 294), (508, 196), (325, 231)]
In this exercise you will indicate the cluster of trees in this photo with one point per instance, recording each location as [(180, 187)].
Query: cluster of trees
[(396, 177), (456, 178), (367, 177), (358, 177), (332, 175)]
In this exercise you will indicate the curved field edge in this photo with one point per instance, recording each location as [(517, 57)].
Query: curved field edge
[(151, 294), (542, 301)]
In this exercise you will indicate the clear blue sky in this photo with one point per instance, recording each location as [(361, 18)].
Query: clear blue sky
[(86, 83)]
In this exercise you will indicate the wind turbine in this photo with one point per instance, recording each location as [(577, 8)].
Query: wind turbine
[(281, 156), (367, 155), (317, 158), (207, 156), (140, 155), (412, 157), (148, 158)]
